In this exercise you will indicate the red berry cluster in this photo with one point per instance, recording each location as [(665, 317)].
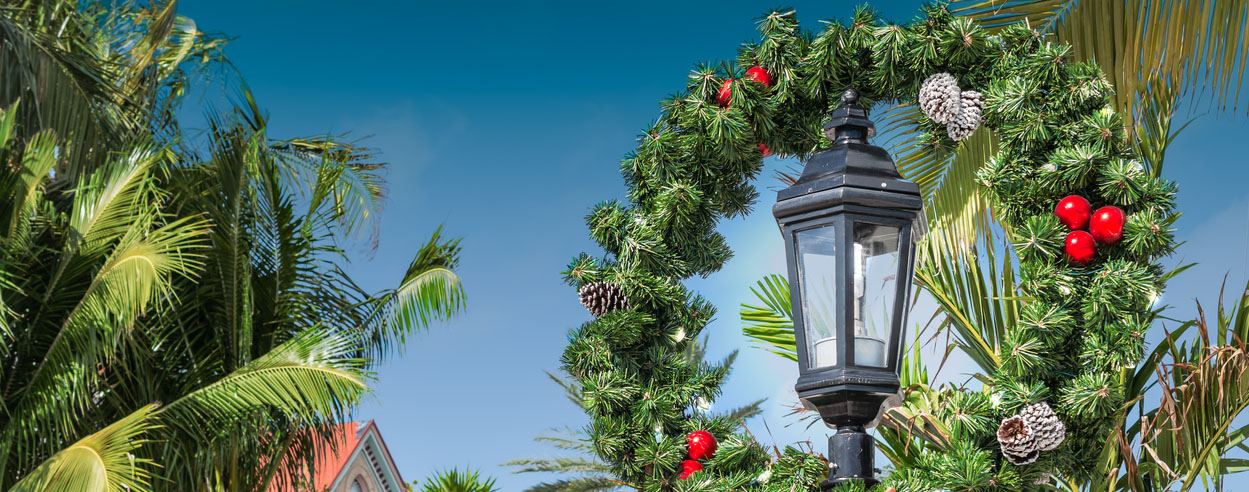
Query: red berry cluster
[(701, 445), (757, 74), (1105, 226)]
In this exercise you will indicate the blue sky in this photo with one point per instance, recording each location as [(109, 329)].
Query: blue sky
[(505, 122)]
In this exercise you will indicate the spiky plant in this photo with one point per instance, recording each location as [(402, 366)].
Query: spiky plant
[(454, 480)]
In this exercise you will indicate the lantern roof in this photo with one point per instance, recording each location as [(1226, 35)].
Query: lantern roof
[(851, 161)]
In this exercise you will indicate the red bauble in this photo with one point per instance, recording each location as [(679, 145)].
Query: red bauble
[(1106, 226), (688, 467), (726, 93), (760, 75), (766, 151), (1073, 211), (702, 445), (1080, 247)]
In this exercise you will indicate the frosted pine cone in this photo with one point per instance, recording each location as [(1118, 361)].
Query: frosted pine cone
[(968, 118), (602, 298), (939, 97), (1018, 443), (1047, 430)]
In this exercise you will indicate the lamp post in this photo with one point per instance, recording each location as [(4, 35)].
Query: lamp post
[(850, 224)]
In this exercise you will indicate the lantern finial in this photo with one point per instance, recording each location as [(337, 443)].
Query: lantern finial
[(849, 123), (850, 97)]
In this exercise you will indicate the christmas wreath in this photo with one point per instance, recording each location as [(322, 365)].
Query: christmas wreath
[(1087, 222)]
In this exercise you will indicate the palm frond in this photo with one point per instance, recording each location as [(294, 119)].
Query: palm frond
[(1154, 133), (108, 202), (1205, 388), (38, 158), (945, 174), (430, 291), (561, 465), (582, 484), (912, 429), (74, 95), (1194, 47), (974, 290), (101, 462), (772, 323), (571, 389), (566, 438), (313, 374), (956, 202), (747, 411), (341, 176), (63, 379)]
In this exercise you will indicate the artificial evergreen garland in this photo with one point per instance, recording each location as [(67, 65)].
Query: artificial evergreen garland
[(1081, 324)]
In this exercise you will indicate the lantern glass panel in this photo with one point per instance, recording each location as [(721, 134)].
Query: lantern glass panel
[(875, 289), (817, 267)]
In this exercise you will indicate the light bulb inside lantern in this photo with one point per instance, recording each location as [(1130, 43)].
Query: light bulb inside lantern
[(875, 289)]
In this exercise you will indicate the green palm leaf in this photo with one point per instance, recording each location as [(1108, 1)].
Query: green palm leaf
[(945, 175), (772, 323), (584, 484), (430, 291), (101, 462), (1193, 47), (313, 373), (974, 290), (338, 175), (131, 278), (561, 465), (36, 164)]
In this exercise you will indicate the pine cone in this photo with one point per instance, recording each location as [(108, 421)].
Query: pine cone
[(968, 118), (939, 97), (1017, 441), (1047, 430), (602, 298)]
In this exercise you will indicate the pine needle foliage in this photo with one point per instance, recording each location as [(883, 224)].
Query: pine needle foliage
[(694, 166), (589, 473)]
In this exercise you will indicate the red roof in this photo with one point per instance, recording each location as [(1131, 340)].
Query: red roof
[(331, 460)]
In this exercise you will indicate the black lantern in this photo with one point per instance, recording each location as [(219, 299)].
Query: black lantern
[(850, 224)]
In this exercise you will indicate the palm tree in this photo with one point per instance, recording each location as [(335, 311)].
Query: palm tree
[(127, 290), (586, 472), (175, 317), (274, 311)]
